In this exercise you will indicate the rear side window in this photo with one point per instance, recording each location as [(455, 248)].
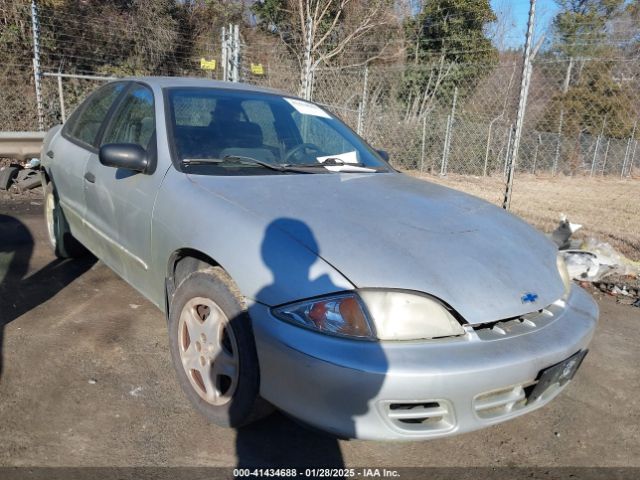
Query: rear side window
[(134, 121), (85, 126)]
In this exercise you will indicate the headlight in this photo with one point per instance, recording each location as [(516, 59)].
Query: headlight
[(564, 274), (336, 315), (374, 314), (408, 316)]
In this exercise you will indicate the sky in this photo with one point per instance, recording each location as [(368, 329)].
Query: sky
[(516, 14)]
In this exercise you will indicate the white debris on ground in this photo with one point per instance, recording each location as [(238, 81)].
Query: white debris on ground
[(595, 261), (136, 392)]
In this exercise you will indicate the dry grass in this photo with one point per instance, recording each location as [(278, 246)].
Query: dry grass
[(608, 208)]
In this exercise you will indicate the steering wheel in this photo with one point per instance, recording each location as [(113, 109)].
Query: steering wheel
[(299, 148)]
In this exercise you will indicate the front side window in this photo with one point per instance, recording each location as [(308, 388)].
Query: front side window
[(134, 121), (85, 124), (226, 130)]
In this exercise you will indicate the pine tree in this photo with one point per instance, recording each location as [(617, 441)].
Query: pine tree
[(447, 40)]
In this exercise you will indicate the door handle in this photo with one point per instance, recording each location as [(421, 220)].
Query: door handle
[(90, 177), (50, 154)]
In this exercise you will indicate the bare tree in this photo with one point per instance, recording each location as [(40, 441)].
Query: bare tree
[(318, 31)]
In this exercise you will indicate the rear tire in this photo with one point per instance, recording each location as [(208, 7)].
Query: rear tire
[(213, 350), (62, 243)]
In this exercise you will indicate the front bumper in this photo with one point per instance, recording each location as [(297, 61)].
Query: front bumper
[(419, 389)]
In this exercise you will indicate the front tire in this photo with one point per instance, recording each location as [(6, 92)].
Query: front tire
[(62, 243), (213, 349)]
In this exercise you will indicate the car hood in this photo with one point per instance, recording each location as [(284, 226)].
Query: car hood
[(388, 230)]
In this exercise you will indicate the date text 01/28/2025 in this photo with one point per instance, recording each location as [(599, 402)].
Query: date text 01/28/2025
[(316, 472)]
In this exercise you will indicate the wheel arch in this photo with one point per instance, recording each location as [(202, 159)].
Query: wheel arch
[(181, 263), (46, 176)]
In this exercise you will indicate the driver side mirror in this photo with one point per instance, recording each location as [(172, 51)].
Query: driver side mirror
[(383, 154), (129, 156)]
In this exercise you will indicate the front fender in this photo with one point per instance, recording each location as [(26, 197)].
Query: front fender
[(268, 265)]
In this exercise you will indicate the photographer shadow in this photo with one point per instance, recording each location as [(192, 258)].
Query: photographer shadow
[(20, 293), (279, 441)]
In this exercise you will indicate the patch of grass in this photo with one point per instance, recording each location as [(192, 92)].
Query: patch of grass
[(608, 208)]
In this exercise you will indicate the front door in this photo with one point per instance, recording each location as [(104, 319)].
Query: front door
[(120, 202)]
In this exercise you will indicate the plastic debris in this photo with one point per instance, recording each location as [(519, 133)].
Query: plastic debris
[(591, 260), (27, 179), (581, 265), (561, 236), (611, 261)]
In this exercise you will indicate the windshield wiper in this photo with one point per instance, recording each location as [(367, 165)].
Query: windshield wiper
[(327, 162), (232, 159), (337, 162), (243, 161)]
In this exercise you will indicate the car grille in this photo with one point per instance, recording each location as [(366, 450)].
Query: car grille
[(420, 416), (518, 325)]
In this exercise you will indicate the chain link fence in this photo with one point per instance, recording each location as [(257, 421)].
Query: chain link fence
[(434, 117)]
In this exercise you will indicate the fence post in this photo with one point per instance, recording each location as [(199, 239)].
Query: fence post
[(486, 154), (447, 137), (606, 153), (506, 155), (443, 164), (554, 170), (595, 154), (306, 72), (363, 102), (628, 150), (37, 74), (224, 60), (522, 105), (236, 53), (63, 112), (624, 160), (424, 141)]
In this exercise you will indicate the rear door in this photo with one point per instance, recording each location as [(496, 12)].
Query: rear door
[(71, 150), (120, 202)]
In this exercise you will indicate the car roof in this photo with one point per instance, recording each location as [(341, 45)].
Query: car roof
[(168, 82)]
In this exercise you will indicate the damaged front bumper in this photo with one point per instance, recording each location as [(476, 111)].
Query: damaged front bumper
[(419, 389)]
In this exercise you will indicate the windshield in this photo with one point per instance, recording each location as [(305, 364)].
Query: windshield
[(216, 129)]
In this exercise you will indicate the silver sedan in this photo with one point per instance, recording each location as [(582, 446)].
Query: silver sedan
[(298, 270)]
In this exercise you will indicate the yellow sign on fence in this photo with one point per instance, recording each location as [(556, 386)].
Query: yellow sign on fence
[(257, 69), (207, 64)]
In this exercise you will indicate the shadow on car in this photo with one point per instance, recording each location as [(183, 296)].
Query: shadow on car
[(278, 441), (20, 293)]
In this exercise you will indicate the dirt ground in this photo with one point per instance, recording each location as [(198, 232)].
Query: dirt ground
[(608, 208), (87, 380)]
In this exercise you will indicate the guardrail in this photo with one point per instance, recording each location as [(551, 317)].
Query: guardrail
[(21, 145)]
